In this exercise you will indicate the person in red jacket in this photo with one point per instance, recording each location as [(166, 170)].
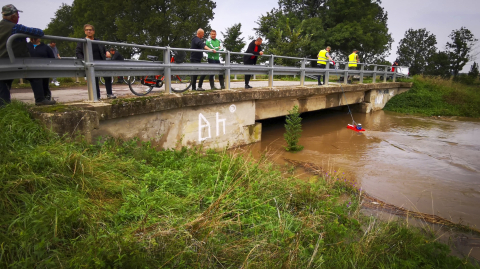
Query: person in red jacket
[(255, 48)]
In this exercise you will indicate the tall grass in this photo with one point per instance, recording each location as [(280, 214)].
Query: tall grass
[(122, 204), (433, 96)]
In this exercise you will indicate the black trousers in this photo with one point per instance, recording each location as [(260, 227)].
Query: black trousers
[(212, 77), (247, 77), (5, 86), (321, 66), (194, 77), (38, 89), (108, 85)]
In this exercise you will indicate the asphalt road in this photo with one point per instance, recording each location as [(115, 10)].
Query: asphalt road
[(78, 94)]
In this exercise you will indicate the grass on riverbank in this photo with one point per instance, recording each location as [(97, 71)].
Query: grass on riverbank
[(431, 96), (122, 204)]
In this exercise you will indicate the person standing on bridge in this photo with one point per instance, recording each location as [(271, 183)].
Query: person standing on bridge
[(352, 64), (323, 56), (53, 47), (213, 58), (99, 53), (255, 48), (9, 26), (116, 56), (38, 49), (196, 57)]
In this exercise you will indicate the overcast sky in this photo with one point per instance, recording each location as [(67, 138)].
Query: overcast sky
[(439, 17)]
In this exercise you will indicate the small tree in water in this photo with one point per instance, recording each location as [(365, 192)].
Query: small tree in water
[(293, 128)]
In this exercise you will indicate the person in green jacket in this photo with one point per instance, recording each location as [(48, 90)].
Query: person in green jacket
[(213, 58)]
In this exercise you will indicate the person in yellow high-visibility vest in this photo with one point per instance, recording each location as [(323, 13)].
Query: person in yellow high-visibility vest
[(352, 63), (323, 56)]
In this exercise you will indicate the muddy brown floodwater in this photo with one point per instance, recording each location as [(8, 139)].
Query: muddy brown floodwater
[(423, 164)]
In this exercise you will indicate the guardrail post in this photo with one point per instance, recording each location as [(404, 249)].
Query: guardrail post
[(374, 78), (345, 79), (167, 81), (270, 72), (90, 71), (385, 75), (395, 75), (362, 68), (227, 71), (327, 73), (302, 73)]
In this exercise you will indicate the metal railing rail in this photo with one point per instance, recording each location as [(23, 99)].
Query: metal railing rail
[(90, 68)]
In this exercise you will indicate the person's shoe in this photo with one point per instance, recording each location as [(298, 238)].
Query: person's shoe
[(213, 88), (45, 103), (248, 87), (48, 97), (222, 87), (57, 83), (111, 96), (199, 89)]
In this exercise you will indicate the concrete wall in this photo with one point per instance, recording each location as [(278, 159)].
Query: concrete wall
[(216, 126), (215, 119)]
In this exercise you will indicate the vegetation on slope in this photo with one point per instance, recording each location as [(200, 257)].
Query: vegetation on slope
[(122, 204), (434, 96)]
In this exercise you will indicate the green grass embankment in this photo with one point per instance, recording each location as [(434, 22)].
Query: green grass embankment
[(122, 204), (431, 96)]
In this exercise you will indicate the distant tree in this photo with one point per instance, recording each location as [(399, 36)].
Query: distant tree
[(343, 25), (439, 65), (290, 42), (474, 70), (460, 48), (233, 41), (153, 22), (62, 25), (416, 48)]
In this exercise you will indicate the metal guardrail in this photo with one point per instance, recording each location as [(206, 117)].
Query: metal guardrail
[(43, 68)]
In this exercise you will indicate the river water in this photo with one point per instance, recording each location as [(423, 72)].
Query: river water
[(424, 164)]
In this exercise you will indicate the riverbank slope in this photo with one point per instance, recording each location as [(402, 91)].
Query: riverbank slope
[(122, 204), (434, 96)]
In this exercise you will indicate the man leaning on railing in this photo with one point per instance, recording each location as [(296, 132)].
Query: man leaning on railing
[(99, 53), (9, 26)]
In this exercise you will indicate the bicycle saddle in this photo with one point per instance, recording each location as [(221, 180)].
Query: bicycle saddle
[(151, 57)]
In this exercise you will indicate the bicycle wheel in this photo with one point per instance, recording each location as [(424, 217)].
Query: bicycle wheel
[(137, 88), (181, 83), (126, 79), (103, 81)]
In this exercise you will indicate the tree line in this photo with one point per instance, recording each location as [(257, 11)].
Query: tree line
[(418, 51), (297, 28)]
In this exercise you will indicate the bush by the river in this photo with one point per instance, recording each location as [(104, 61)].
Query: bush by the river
[(434, 96), (123, 204)]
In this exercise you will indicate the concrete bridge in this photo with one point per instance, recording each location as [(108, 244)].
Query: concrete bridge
[(215, 119)]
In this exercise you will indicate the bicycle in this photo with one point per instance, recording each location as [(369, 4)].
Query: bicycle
[(125, 79), (144, 85)]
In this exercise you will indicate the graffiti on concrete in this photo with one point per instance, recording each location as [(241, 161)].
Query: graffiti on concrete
[(204, 126)]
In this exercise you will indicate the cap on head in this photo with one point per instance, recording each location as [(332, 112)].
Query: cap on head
[(112, 49), (9, 10), (354, 50)]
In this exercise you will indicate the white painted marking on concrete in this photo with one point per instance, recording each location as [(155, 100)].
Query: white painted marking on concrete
[(232, 108), (218, 123), (200, 127)]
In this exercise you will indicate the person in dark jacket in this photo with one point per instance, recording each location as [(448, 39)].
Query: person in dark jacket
[(196, 56), (9, 26), (255, 48), (99, 53), (116, 56), (38, 49)]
